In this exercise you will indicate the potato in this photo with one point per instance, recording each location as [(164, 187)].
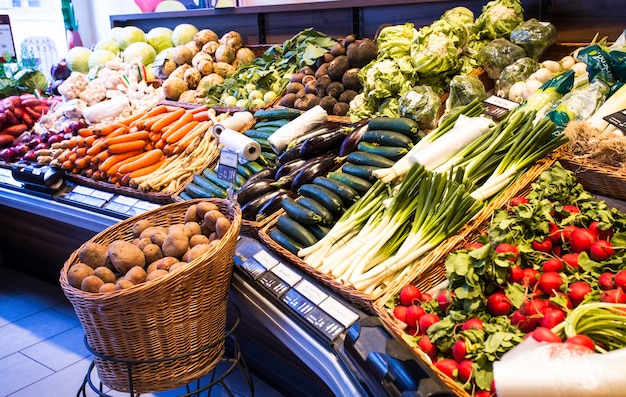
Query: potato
[(176, 266), (125, 255), (192, 228), (175, 244), (210, 219), (221, 227), (93, 254), (151, 267), (140, 226), (191, 215), (203, 207), (77, 272), (196, 252), (107, 287), (105, 274), (215, 243), (136, 275), (91, 283), (152, 252), (156, 274), (166, 262), (122, 283), (156, 234), (142, 242), (176, 228), (198, 239)]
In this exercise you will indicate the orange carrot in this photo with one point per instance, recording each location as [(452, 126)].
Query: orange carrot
[(184, 119), (100, 157), (96, 147), (81, 151), (177, 135), (72, 142), (146, 170), (115, 167), (135, 136), (109, 128), (167, 118), (84, 132), (82, 162), (148, 158), (67, 165), (154, 136), (112, 159), (127, 146), (201, 116)]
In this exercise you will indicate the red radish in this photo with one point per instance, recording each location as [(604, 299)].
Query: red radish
[(600, 234), (516, 274), (581, 240), (426, 297), (483, 393), (445, 299), (459, 350), (466, 368), (409, 295), (572, 260), (601, 250), (552, 317), (518, 200), (554, 233), (572, 209), (413, 314), (498, 304), (620, 279), (557, 250), (399, 312), (552, 265), (549, 282), (616, 295), (530, 277), (543, 334), (428, 347), (472, 246), (524, 323), (534, 307), (606, 281), (566, 233), (448, 366), (509, 249), (562, 299), (577, 291), (413, 331), (472, 323), (543, 245), (427, 320), (582, 340)]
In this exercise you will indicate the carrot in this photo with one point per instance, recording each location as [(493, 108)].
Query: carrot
[(198, 109), (72, 142), (86, 141), (67, 165), (81, 151), (154, 136), (100, 157), (115, 167), (183, 120), (107, 129), (146, 170), (147, 123), (146, 159), (82, 162), (96, 147), (201, 116), (168, 118), (150, 113), (84, 132), (135, 136), (127, 146), (160, 144), (177, 135), (173, 108), (112, 159)]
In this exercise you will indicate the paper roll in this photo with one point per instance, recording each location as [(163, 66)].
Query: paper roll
[(245, 147)]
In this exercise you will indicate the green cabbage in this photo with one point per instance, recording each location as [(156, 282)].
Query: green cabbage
[(30, 80), (395, 41), (421, 103), (383, 79), (498, 54), (499, 18)]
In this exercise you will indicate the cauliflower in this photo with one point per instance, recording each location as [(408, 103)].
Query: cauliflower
[(73, 86), (94, 92)]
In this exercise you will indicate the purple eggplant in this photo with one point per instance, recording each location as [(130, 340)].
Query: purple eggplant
[(255, 189), (322, 143), (319, 168), (349, 144)]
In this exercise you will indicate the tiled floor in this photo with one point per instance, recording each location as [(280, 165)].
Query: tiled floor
[(42, 351)]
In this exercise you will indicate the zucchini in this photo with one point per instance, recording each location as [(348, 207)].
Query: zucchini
[(299, 212), (318, 230), (311, 204), (244, 171), (267, 159), (394, 153), (271, 123), (387, 138), (347, 194), (357, 183), (404, 125), (285, 241), (265, 145), (196, 191), (256, 134), (364, 158), (211, 175), (277, 114), (209, 186), (328, 199), (361, 171), (253, 166), (185, 196), (266, 130), (295, 230)]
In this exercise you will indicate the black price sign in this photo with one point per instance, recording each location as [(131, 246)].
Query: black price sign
[(618, 119), (227, 169)]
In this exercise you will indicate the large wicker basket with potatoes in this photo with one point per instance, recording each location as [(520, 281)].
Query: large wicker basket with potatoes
[(164, 327)]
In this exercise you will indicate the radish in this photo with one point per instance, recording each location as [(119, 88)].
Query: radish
[(399, 312), (620, 280), (472, 246), (428, 347), (581, 240), (572, 209), (498, 304), (582, 340), (557, 250), (449, 367), (577, 292), (616, 295), (562, 298), (534, 307), (524, 323), (516, 274), (566, 233), (409, 295), (518, 200), (472, 323), (601, 250), (466, 368), (549, 282), (530, 277), (552, 317), (413, 314), (543, 334), (552, 265), (554, 233), (572, 260), (427, 320), (483, 393), (459, 350), (606, 281), (426, 297), (600, 234), (543, 245), (510, 250), (445, 299)]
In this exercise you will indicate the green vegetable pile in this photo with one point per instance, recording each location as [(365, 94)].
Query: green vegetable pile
[(23, 79)]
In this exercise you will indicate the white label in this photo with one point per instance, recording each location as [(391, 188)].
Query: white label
[(413, 98), (265, 259), (129, 201), (83, 190), (102, 195), (286, 274), (339, 311), (503, 103), (146, 205), (311, 292)]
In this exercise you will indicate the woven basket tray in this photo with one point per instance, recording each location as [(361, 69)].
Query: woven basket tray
[(173, 327), (598, 178)]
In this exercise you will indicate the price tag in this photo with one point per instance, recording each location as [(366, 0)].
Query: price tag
[(286, 274), (265, 259), (339, 311), (311, 292), (324, 323), (297, 302), (274, 284), (497, 107), (618, 119), (253, 268), (227, 169)]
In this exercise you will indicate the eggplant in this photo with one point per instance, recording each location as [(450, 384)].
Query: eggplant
[(250, 209), (253, 190), (289, 167), (274, 204), (324, 128), (319, 168), (285, 181), (289, 155), (323, 143), (352, 140), (265, 173)]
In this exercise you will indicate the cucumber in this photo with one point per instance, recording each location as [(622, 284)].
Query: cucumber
[(277, 114), (196, 191), (387, 138), (185, 196), (357, 183), (244, 171), (361, 171), (318, 231), (271, 123), (265, 145), (211, 175), (364, 158), (299, 212), (266, 130), (256, 134), (296, 231), (394, 153), (326, 217), (404, 125), (285, 241), (253, 166), (328, 199), (347, 194), (209, 186), (267, 159)]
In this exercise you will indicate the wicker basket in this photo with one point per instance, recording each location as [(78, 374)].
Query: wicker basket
[(598, 178), (171, 329)]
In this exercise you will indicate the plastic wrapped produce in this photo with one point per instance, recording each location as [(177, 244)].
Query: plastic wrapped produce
[(498, 54), (534, 36), (519, 70), (499, 18), (421, 103)]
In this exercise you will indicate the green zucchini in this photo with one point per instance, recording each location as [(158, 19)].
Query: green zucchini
[(361, 185), (318, 230), (209, 186), (256, 134), (271, 123), (285, 241), (404, 125), (299, 212), (394, 153), (363, 158), (295, 230), (185, 196), (253, 166), (265, 145), (311, 204), (211, 175), (277, 114), (197, 191), (387, 138), (328, 199), (347, 194), (361, 171), (244, 171), (266, 130)]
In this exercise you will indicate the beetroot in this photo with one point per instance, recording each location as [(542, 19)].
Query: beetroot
[(498, 304), (601, 250), (427, 320), (409, 295), (582, 340), (428, 347), (459, 350), (466, 368), (606, 281), (449, 367), (549, 282), (413, 314), (577, 291), (543, 334), (552, 265), (581, 240)]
